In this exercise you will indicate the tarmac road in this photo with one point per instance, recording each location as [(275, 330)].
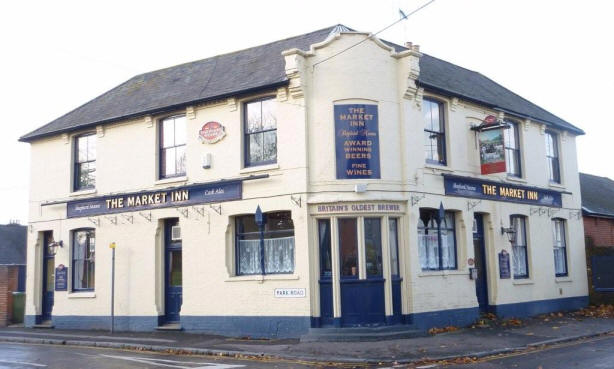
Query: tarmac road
[(29, 356)]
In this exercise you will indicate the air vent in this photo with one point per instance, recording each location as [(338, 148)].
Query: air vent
[(175, 233)]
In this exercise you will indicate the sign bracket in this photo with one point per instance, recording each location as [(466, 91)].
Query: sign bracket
[(472, 204), (95, 221), (416, 199), (296, 200), (129, 218), (216, 208), (146, 216), (200, 211), (183, 211), (112, 219)]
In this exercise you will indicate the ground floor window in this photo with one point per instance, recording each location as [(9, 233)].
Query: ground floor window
[(83, 259), (519, 247), (560, 247), (271, 246), (436, 240)]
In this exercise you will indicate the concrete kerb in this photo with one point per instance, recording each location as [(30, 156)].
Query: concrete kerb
[(264, 355)]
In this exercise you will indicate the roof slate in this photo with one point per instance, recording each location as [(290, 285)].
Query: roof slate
[(263, 66), (597, 195), (13, 244)]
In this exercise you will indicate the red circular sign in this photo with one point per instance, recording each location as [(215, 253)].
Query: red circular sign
[(491, 119), (211, 132)]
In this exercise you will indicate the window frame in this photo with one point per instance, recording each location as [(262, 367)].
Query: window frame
[(441, 134), (513, 127), (247, 163), (72, 259), (434, 213), (564, 247), (525, 244), (237, 236), (77, 164), (161, 147), (557, 155)]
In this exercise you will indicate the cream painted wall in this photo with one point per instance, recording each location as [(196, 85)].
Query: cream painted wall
[(373, 73)]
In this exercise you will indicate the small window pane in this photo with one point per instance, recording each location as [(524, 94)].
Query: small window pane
[(82, 149), (168, 132), (50, 274), (326, 268), (168, 167), (269, 119), (348, 247), (393, 241), (270, 146), (180, 160), (175, 268), (255, 148), (373, 246), (91, 147), (179, 131), (254, 117)]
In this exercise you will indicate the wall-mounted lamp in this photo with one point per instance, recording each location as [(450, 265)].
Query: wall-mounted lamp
[(510, 232), (52, 247)]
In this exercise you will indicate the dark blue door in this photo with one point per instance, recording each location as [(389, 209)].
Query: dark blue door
[(326, 273), (48, 278), (481, 283), (173, 273)]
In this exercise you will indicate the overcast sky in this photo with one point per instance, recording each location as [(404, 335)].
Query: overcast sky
[(57, 55)]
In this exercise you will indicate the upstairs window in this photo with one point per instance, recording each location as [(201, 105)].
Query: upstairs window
[(83, 260), (552, 156), (172, 147), (519, 247), (277, 237), (560, 247), (260, 129), (85, 162), (512, 149), (436, 240), (434, 132)]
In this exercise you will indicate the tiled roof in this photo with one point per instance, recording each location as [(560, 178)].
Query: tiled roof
[(597, 195), (13, 244), (263, 66)]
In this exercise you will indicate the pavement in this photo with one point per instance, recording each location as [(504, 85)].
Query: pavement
[(490, 337)]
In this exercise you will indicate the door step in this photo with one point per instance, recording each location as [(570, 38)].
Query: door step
[(47, 324), (169, 327), (359, 334)]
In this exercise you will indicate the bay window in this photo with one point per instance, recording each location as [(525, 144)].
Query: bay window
[(274, 244)]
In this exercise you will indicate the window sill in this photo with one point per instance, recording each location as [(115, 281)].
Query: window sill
[(516, 179), (556, 185), (441, 168), (259, 168), (91, 191), (82, 295), (171, 180), (563, 280), (441, 273), (261, 278), (522, 282)]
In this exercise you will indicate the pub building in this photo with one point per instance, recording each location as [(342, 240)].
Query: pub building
[(304, 184)]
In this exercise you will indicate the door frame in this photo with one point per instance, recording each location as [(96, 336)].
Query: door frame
[(167, 248), (46, 315), (484, 273)]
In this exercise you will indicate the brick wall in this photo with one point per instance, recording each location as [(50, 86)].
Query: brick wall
[(600, 230), (8, 284), (599, 236)]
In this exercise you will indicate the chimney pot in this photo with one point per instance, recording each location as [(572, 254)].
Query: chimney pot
[(416, 48), (408, 45)]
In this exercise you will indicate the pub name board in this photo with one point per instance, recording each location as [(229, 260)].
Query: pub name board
[(489, 190), (357, 141), (180, 196)]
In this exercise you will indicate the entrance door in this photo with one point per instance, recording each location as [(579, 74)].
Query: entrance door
[(362, 295), (173, 271), (481, 283), (48, 281)]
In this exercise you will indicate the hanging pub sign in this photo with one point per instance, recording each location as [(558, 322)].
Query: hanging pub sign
[(179, 196), (492, 146), (357, 141), (61, 278), (211, 132), (490, 190)]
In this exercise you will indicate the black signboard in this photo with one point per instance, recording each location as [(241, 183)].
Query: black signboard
[(179, 196), (490, 190), (61, 278), (357, 141), (504, 265)]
